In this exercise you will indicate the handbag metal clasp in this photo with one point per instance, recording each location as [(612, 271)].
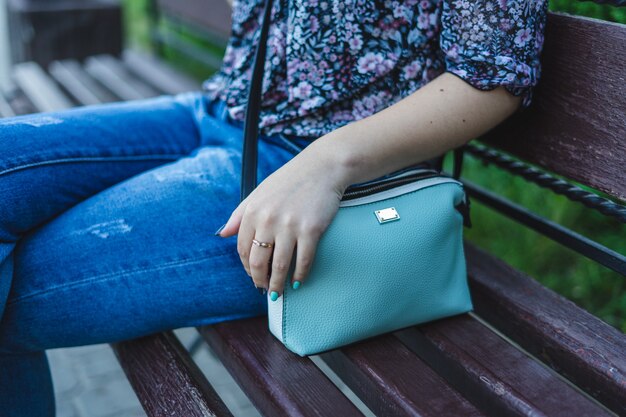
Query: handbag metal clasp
[(387, 215)]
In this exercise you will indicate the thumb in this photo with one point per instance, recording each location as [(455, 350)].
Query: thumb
[(231, 227)]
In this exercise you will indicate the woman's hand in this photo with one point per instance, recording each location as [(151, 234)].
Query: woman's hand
[(291, 208), (295, 204)]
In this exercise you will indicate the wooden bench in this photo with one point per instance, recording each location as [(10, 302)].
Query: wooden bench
[(524, 351)]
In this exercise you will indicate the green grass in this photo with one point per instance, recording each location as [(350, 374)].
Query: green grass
[(138, 27), (194, 68), (136, 24), (593, 287), (590, 9)]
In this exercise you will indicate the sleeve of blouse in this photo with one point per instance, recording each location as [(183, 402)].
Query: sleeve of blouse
[(489, 43)]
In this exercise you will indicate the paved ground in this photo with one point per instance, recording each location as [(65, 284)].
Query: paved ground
[(90, 383)]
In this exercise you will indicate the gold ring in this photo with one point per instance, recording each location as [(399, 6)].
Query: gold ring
[(262, 244)]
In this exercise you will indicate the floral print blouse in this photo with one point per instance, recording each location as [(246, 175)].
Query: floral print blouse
[(330, 62)]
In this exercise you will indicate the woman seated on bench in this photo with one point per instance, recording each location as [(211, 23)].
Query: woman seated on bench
[(108, 213)]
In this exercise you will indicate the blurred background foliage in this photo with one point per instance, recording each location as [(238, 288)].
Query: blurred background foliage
[(593, 287)]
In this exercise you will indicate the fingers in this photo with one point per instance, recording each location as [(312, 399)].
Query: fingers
[(244, 243), (276, 262), (233, 224), (269, 267), (281, 261), (305, 253), (260, 263)]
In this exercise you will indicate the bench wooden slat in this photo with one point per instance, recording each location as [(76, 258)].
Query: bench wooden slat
[(158, 74), (277, 381), (78, 83), (40, 89), (20, 104), (392, 381), (577, 123), (583, 348), (165, 378), (108, 71), (5, 108), (498, 378)]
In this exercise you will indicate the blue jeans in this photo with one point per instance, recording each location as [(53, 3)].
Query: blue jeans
[(107, 221)]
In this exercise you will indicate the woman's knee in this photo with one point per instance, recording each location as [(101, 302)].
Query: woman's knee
[(136, 258)]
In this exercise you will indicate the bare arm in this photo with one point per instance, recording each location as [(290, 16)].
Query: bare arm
[(442, 115), (294, 205)]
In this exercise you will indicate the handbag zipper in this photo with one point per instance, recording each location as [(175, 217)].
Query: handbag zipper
[(380, 186), (387, 183)]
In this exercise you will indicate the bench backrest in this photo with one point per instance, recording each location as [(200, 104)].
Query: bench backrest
[(576, 126)]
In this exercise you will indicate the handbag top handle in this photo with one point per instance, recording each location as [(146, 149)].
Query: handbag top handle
[(251, 124)]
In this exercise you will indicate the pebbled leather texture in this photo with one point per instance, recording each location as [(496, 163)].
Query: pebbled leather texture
[(369, 278)]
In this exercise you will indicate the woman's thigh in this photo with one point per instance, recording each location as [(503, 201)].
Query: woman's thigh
[(138, 257), (51, 161)]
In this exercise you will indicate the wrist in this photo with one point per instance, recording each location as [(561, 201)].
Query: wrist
[(335, 159)]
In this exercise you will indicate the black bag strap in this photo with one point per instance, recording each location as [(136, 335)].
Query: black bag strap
[(251, 125), (457, 163)]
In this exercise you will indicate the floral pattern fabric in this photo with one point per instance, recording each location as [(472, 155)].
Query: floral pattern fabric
[(330, 62)]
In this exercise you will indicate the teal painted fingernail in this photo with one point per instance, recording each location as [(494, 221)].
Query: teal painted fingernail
[(274, 295), (217, 232), (295, 285)]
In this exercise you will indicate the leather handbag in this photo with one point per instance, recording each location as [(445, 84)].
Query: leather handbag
[(392, 257)]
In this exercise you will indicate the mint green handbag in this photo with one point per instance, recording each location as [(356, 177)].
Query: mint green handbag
[(392, 257)]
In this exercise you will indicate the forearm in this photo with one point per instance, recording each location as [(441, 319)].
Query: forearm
[(442, 115)]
